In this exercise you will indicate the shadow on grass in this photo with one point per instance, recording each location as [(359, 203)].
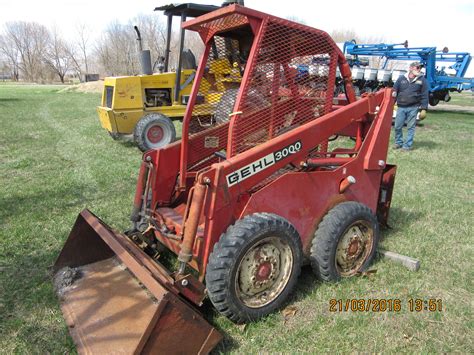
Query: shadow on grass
[(128, 144), (126, 140), (42, 200), (227, 343), (421, 144), (454, 110), (400, 219), (307, 282), (5, 101)]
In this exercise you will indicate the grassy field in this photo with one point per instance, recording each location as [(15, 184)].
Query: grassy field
[(56, 160), (465, 98)]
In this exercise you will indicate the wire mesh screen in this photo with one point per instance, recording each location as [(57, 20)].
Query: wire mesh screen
[(291, 82), (217, 94), (220, 24), (225, 23)]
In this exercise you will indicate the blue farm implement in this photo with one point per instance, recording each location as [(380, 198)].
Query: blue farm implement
[(445, 71)]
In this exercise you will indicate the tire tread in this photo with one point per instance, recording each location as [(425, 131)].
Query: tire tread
[(141, 126), (327, 236), (229, 248)]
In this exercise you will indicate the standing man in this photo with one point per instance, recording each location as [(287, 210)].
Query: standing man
[(411, 91)]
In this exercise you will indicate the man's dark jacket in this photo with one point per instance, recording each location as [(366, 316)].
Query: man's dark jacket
[(412, 92)]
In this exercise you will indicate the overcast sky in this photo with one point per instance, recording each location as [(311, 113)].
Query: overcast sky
[(422, 23)]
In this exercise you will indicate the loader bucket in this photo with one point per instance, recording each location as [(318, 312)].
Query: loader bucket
[(116, 299)]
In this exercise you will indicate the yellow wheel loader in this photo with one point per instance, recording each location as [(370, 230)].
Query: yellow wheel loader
[(146, 105)]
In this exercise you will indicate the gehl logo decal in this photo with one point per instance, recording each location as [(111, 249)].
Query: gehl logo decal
[(262, 163)]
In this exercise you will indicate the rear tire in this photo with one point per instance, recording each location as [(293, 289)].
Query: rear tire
[(433, 101), (254, 267), (226, 105), (255, 100), (154, 131), (345, 241), (357, 91)]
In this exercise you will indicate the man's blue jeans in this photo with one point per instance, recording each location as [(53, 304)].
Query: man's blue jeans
[(408, 115)]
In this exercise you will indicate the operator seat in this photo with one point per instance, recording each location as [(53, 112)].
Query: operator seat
[(189, 60)]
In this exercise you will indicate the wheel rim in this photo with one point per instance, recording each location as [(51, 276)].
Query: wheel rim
[(263, 272), (354, 247), (155, 134)]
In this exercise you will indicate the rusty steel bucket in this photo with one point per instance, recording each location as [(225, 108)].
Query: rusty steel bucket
[(116, 299)]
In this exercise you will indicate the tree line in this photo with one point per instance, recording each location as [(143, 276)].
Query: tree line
[(32, 52)]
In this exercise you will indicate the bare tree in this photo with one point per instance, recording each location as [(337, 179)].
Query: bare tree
[(344, 35), (30, 40), (11, 54), (83, 39), (153, 32), (102, 54), (75, 61), (194, 43), (296, 19), (116, 50), (57, 55)]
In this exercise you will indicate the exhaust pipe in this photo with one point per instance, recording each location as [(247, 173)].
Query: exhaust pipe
[(145, 62), (145, 55)]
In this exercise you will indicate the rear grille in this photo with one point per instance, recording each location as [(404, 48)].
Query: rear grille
[(109, 94)]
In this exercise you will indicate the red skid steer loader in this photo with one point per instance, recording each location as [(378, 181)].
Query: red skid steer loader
[(277, 174)]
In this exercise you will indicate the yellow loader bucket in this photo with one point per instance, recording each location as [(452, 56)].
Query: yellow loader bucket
[(116, 299)]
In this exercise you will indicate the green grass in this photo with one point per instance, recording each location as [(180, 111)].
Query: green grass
[(56, 160), (465, 98)]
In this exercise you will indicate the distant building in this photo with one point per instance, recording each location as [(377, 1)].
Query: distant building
[(90, 77), (5, 76)]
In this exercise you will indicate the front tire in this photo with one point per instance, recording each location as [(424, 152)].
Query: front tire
[(254, 267), (345, 242), (433, 101), (154, 131)]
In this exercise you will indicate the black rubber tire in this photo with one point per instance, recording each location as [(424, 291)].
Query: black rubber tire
[(331, 230), (357, 91), (147, 122), (225, 105), (225, 260), (227, 102), (433, 101)]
